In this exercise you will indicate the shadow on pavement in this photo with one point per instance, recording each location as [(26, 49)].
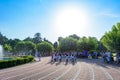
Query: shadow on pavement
[(99, 62)]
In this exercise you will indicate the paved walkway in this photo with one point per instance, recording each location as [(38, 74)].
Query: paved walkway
[(84, 69)]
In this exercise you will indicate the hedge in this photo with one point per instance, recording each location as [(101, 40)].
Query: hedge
[(15, 61)]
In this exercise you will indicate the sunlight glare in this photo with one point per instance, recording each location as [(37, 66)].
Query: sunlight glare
[(71, 20)]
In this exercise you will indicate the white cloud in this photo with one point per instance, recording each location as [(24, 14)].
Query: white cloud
[(109, 14), (112, 15)]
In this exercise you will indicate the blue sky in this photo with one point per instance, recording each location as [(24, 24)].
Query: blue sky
[(55, 18)]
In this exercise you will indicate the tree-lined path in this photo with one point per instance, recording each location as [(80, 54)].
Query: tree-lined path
[(84, 69)]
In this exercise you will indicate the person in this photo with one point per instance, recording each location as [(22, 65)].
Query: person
[(85, 53), (96, 55), (54, 57), (75, 56), (59, 57), (72, 58), (103, 55), (117, 57), (66, 58), (39, 56), (89, 56), (108, 53)]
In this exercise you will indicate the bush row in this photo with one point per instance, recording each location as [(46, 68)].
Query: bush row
[(15, 61)]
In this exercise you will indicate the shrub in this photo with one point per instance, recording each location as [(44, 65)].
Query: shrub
[(16, 61)]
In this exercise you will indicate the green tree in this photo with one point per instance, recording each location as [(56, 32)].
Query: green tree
[(25, 47), (55, 46), (111, 39), (59, 38), (30, 47), (13, 43), (37, 38), (3, 39), (75, 36), (28, 39), (45, 48), (101, 47), (68, 44), (7, 48), (90, 43), (20, 48), (45, 40)]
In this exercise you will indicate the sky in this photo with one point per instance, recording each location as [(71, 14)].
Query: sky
[(57, 18)]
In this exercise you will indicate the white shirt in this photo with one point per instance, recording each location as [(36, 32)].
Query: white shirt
[(108, 54), (59, 57)]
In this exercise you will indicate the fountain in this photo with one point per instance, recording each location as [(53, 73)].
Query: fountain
[(1, 52)]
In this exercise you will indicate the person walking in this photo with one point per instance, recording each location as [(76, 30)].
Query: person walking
[(39, 56)]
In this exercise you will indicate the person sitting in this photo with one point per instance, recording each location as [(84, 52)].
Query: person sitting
[(59, 57), (72, 58), (103, 55), (117, 57), (66, 59), (108, 53), (90, 56)]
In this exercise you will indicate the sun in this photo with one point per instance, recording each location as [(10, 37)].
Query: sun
[(70, 20)]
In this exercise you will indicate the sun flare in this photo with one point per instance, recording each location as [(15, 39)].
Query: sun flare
[(71, 20)]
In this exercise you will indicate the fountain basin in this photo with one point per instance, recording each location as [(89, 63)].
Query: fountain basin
[(6, 58), (1, 52)]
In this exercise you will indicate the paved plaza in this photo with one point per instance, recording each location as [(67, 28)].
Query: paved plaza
[(84, 69)]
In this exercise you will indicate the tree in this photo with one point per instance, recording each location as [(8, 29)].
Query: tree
[(60, 38), (28, 39), (3, 39), (13, 43), (111, 39), (90, 43), (55, 46), (25, 47), (7, 48), (37, 38), (68, 44), (45, 40), (75, 36), (93, 43), (82, 44), (101, 47), (45, 48), (30, 47), (20, 47)]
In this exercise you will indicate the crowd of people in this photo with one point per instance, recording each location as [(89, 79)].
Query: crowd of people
[(64, 57), (71, 57), (107, 56), (111, 57)]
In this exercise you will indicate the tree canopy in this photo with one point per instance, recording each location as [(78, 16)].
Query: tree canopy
[(111, 39), (3, 39), (25, 47), (89, 43), (55, 46), (75, 36), (45, 47), (7, 48), (37, 38), (67, 44)]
